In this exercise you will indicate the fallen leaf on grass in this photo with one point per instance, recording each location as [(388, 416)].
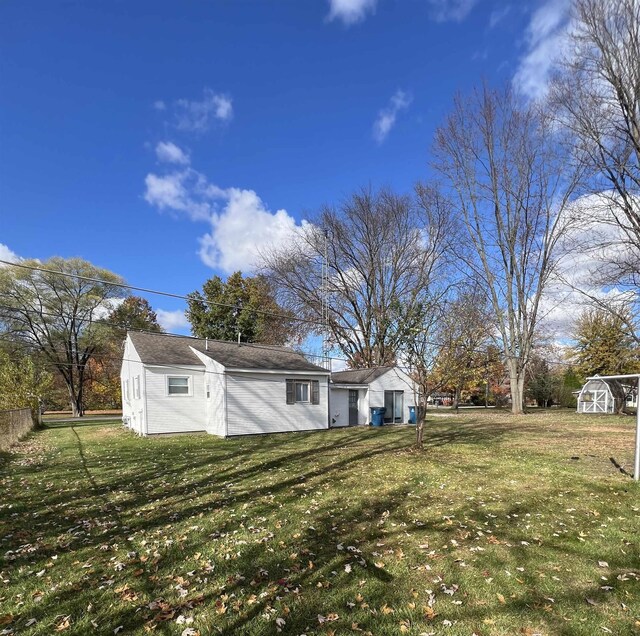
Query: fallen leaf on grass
[(429, 612), (64, 623)]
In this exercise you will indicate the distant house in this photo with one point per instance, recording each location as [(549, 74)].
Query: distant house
[(353, 393), (603, 396), (173, 384)]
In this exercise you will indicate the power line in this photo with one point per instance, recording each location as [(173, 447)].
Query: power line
[(113, 325), (156, 292), (212, 303), (187, 298)]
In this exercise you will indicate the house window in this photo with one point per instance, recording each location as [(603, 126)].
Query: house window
[(303, 392), (178, 385), (125, 390), (136, 387)]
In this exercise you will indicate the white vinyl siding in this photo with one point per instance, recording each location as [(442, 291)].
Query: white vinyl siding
[(339, 407), (133, 407), (171, 413), (136, 387), (393, 380), (256, 403), (215, 403)]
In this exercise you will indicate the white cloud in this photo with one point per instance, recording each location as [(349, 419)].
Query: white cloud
[(172, 320), (498, 15), (159, 105), (185, 191), (451, 10), (387, 116), (350, 11), (242, 230), (241, 225), (546, 40), (8, 255), (168, 152), (199, 115), (590, 245)]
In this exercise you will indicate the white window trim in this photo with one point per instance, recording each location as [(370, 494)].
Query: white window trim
[(136, 388), (125, 390), (178, 395), (295, 392)]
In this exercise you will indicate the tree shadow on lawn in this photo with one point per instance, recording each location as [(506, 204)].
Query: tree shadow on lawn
[(115, 519), (78, 423), (316, 582)]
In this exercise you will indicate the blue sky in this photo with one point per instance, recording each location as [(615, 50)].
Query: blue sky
[(168, 141)]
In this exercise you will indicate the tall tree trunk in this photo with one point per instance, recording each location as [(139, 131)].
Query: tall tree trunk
[(76, 398), (516, 385), (456, 399)]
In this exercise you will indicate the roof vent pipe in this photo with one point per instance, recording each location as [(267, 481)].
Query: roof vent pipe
[(239, 334), (206, 344)]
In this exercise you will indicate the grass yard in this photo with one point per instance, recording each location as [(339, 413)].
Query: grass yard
[(494, 529)]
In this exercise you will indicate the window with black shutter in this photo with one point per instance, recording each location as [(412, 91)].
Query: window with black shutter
[(291, 395), (303, 392)]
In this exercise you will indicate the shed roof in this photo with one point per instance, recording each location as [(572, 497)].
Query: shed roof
[(164, 349), (359, 376)]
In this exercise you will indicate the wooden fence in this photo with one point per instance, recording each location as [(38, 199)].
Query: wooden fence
[(14, 425)]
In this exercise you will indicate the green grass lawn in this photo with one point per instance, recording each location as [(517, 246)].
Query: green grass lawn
[(496, 528)]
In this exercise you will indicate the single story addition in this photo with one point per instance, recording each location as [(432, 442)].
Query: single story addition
[(355, 392), (173, 384)]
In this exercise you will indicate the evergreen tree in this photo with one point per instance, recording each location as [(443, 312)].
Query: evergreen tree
[(241, 305)]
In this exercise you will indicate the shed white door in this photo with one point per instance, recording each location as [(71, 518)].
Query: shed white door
[(598, 403)]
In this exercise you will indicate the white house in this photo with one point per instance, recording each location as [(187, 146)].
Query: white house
[(354, 393), (173, 384)]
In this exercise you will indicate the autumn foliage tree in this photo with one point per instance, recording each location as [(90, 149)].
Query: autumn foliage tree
[(103, 370), (24, 382), (53, 308), (464, 334), (605, 345)]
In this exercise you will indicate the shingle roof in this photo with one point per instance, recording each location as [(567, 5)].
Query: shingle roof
[(171, 350), (358, 376)]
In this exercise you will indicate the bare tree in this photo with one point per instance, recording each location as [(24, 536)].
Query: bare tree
[(54, 308), (384, 255), (596, 96), (505, 171)]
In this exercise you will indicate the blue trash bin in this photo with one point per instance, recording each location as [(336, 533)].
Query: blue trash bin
[(377, 416), (412, 415)]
